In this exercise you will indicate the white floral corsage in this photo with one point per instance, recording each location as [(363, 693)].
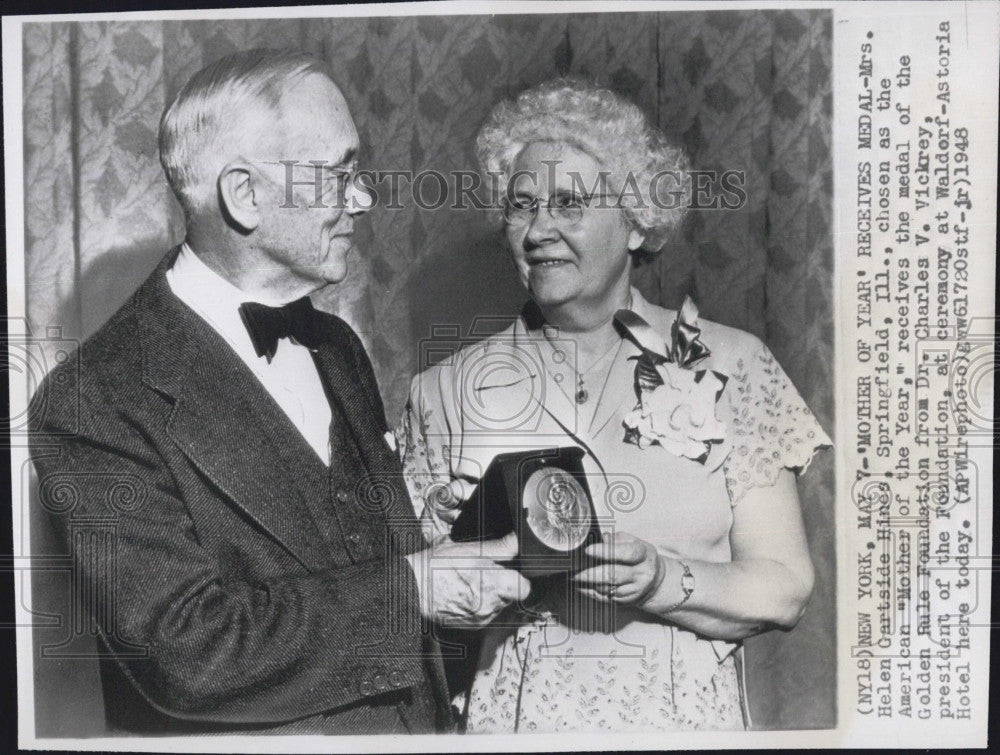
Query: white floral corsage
[(680, 414), (676, 404)]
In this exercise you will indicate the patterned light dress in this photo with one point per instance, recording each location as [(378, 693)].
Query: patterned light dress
[(563, 663)]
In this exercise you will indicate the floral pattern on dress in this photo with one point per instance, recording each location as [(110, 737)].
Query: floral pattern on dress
[(528, 691), (771, 427), (564, 674), (425, 466)]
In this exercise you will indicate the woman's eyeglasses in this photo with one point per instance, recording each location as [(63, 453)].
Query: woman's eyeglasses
[(564, 208)]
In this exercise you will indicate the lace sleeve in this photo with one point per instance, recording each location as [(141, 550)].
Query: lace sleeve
[(771, 427), (423, 454)]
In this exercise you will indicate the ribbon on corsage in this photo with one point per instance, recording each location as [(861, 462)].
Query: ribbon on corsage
[(676, 403)]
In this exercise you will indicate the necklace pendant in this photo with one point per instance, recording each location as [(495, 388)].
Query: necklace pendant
[(582, 396)]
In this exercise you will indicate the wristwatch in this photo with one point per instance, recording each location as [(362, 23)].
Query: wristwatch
[(687, 587)]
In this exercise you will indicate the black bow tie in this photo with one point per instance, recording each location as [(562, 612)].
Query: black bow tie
[(267, 325)]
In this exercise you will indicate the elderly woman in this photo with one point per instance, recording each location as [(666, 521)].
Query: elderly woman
[(692, 436)]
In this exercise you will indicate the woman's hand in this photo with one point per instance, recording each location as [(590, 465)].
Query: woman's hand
[(766, 585), (630, 572)]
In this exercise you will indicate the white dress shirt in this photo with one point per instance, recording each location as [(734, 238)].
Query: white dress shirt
[(291, 377)]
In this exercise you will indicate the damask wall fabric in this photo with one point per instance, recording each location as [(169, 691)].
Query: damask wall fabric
[(741, 90)]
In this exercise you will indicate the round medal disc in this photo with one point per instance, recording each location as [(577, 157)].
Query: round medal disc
[(556, 508)]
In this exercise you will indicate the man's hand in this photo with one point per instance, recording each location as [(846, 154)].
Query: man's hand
[(462, 585), (446, 500)]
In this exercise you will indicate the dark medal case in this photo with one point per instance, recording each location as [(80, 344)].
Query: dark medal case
[(542, 495)]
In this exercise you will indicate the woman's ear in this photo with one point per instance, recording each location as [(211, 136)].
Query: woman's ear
[(237, 197), (636, 238)]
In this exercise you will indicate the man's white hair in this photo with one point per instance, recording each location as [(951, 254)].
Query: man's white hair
[(217, 113)]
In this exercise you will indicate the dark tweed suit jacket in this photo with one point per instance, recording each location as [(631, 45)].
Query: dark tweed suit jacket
[(240, 584)]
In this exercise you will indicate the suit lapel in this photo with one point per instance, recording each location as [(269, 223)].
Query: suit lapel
[(355, 398), (223, 420)]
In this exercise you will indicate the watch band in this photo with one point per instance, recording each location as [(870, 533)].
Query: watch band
[(687, 586)]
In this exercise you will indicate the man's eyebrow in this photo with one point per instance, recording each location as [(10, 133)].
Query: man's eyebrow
[(349, 155), (335, 169)]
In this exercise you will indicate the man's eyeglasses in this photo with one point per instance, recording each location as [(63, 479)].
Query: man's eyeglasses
[(565, 208), (330, 181)]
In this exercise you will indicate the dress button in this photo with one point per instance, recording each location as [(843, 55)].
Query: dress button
[(354, 538), (396, 679), (380, 683), (559, 356), (342, 496), (557, 377), (366, 688)]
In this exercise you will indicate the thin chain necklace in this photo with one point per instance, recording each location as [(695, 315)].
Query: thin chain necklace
[(581, 396)]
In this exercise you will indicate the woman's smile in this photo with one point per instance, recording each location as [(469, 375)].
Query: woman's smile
[(575, 267)]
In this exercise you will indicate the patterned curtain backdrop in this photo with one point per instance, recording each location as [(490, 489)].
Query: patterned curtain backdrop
[(741, 90)]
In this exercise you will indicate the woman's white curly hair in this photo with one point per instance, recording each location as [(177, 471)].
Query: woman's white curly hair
[(649, 173)]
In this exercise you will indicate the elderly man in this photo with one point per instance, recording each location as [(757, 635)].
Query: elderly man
[(265, 570)]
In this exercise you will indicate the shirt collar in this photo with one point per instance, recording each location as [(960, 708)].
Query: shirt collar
[(555, 350), (637, 321), (645, 310), (213, 297), (530, 325)]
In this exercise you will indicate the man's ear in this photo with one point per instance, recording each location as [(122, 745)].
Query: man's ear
[(636, 238), (237, 198)]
